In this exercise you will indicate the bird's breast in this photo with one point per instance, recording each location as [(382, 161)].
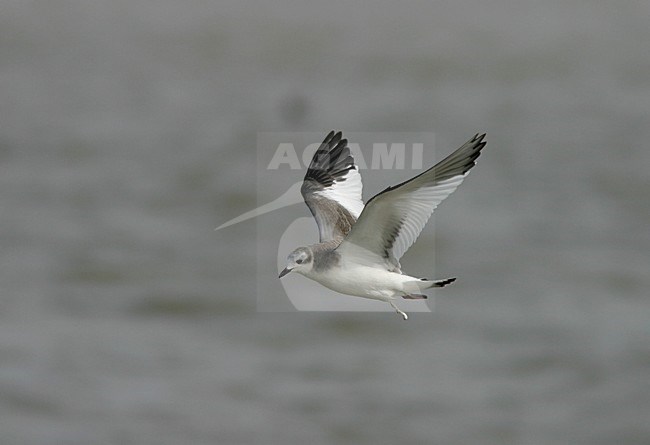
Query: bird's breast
[(364, 282)]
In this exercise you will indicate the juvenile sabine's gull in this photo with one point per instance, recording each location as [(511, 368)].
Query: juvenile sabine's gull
[(360, 246)]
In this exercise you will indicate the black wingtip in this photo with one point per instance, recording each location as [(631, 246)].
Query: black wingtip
[(332, 138), (330, 163)]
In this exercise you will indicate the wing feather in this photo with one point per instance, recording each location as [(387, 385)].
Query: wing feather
[(332, 188), (392, 220)]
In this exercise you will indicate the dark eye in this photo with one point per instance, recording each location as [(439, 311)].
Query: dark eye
[(299, 261)]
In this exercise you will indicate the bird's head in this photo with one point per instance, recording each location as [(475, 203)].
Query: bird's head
[(300, 260)]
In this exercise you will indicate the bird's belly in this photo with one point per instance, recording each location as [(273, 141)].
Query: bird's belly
[(363, 282)]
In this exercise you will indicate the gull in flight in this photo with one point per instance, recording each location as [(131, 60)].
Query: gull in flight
[(360, 246)]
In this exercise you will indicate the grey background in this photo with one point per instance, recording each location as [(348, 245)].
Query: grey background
[(128, 132)]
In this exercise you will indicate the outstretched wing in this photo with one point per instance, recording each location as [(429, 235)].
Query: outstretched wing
[(392, 220), (332, 188)]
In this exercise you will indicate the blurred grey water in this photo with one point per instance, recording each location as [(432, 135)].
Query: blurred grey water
[(128, 132)]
